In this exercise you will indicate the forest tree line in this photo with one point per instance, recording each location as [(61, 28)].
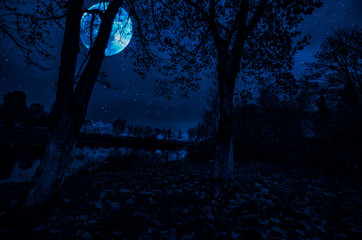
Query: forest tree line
[(15, 112)]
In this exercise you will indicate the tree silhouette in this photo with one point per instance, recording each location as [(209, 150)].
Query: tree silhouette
[(158, 132), (148, 131), (37, 117), (14, 108), (119, 126), (70, 107), (15, 112), (191, 133), (322, 111), (218, 39), (169, 133), (179, 134)]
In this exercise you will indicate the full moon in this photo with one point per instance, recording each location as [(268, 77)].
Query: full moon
[(121, 30)]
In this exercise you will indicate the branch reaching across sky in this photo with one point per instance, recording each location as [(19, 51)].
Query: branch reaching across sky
[(30, 31)]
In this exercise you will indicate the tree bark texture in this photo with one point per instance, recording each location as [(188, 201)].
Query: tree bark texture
[(224, 161)]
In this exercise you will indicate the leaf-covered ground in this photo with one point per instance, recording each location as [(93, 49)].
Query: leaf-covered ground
[(177, 200)]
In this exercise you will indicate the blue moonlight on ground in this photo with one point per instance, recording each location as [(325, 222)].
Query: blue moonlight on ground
[(121, 31)]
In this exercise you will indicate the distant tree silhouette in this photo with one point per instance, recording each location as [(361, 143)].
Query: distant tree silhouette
[(191, 133), (164, 134), (87, 126), (14, 108), (130, 129), (37, 117), (158, 132), (209, 115), (140, 131), (119, 126), (15, 112), (169, 133), (148, 131), (179, 134)]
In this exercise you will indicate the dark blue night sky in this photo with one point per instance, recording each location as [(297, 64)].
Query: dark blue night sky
[(134, 98), (275, 156)]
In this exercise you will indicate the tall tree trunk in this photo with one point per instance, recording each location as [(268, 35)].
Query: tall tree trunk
[(229, 52), (224, 161), (57, 153), (56, 159), (69, 110)]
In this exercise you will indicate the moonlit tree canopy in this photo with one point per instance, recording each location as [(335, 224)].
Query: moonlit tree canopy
[(183, 46)]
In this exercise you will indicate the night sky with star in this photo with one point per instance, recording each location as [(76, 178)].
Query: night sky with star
[(133, 98)]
